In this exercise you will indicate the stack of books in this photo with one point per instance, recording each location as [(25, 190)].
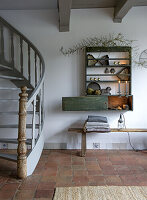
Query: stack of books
[(96, 123)]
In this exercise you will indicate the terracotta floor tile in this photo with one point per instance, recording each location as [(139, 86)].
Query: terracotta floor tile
[(10, 186), (33, 178), (46, 186), (80, 162), (113, 180), (109, 171), (95, 172), (102, 158), (3, 180), (65, 168), (142, 177), (90, 159), (64, 179), (28, 186), (142, 183), (42, 199), (96, 180), (129, 179), (80, 172), (44, 193), (78, 158), (50, 164), (50, 172), (24, 194), (80, 167), (80, 180), (7, 194), (93, 167), (48, 179), (97, 184), (131, 162), (124, 171), (105, 164), (67, 172)]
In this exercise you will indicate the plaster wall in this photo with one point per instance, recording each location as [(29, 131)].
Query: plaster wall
[(65, 75)]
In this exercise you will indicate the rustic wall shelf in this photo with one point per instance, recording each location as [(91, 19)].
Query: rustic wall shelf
[(108, 73)]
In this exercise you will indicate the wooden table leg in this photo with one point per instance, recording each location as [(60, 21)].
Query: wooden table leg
[(83, 144)]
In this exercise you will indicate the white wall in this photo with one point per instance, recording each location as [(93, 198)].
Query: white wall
[(64, 75)]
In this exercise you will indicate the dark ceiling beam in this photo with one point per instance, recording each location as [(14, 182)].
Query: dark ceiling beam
[(79, 4), (141, 3), (122, 8), (64, 8)]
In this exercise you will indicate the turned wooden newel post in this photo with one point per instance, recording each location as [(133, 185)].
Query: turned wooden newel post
[(22, 149)]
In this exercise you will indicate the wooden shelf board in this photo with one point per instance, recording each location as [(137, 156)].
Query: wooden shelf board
[(109, 59), (107, 74), (108, 66), (104, 81), (80, 130)]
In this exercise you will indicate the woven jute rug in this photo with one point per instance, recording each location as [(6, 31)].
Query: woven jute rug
[(101, 193)]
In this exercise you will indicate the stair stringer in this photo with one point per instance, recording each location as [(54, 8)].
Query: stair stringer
[(37, 88), (34, 155)]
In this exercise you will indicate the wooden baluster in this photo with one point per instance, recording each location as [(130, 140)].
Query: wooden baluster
[(12, 50), (21, 55), (35, 69), (2, 43), (22, 149), (29, 64), (34, 123)]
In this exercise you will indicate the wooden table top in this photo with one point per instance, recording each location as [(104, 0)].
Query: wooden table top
[(80, 130)]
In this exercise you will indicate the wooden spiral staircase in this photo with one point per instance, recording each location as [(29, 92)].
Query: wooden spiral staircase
[(22, 71)]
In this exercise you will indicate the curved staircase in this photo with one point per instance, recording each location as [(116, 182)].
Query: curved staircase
[(22, 71)]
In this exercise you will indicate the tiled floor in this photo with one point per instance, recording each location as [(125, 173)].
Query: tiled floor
[(66, 168)]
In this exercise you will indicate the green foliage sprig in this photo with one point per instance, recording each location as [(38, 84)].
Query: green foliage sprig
[(111, 40), (105, 41)]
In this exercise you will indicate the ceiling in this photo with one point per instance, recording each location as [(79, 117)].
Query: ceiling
[(27, 4), (121, 7), (52, 4)]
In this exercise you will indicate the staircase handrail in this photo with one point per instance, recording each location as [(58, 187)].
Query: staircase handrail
[(39, 84), (34, 77)]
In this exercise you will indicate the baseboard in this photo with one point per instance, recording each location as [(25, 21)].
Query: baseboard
[(113, 146), (55, 146)]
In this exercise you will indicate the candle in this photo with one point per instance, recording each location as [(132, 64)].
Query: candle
[(126, 88), (119, 87)]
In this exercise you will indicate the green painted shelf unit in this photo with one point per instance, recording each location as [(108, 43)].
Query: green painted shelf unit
[(118, 58)]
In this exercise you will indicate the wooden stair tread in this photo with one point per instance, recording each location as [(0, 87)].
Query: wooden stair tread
[(16, 113), (16, 126), (11, 88), (11, 77), (12, 157), (80, 130), (14, 141), (5, 67), (6, 100)]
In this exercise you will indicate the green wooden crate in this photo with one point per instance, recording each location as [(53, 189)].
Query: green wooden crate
[(85, 103)]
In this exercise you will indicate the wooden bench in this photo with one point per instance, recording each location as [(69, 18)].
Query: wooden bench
[(83, 142)]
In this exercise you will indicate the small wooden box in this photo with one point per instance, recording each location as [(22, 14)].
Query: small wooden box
[(115, 101)]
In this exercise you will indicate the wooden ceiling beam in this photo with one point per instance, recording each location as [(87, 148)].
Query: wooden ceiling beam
[(80, 4), (64, 8), (141, 3), (122, 9)]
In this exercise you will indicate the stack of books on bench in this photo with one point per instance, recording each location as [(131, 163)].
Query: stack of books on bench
[(97, 124)]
